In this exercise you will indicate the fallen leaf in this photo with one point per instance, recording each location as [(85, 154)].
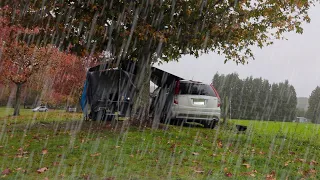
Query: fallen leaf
[(228, 174), (292, 153), (95, 154), (46, 178), (6, 171), (312, 171), (246, 165), (251, 173), (301, 160), (41, 170), (261, 152), (197, 171), (254, 171), (86, 176), (55, 163), (117, 146), (287, 163), (271, 176), (220, 144), (27, 145), (195, 153), (110, 178), (313, 162), (44, 151)]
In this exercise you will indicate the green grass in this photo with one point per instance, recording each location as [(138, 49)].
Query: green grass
[(300, 131), (29, 117), (81, 149)]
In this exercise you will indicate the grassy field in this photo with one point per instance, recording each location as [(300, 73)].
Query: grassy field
[(57, 145)]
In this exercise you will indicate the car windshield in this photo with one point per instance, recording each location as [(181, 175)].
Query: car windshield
[(196, 89)]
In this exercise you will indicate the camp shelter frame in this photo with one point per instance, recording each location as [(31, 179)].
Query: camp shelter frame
[(159, 77), (106, 89)]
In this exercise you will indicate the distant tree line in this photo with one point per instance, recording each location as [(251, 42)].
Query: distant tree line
[(255, 98)]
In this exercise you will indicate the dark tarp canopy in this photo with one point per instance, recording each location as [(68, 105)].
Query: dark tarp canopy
[(162, 78), (158, 76), (105, 76)]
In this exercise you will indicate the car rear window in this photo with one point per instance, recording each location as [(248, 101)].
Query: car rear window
[(197, 89)]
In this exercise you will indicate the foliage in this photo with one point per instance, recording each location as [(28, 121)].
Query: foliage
[(300, 112), (167, 29), (314, 106), (20, 61), (67, 75), (49, 71), (256, 98), (58, 82)]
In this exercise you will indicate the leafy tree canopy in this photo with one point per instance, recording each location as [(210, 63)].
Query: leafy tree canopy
[(165, 28)]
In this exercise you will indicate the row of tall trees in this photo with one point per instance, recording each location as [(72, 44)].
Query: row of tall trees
[(255, 98), (313, 112)]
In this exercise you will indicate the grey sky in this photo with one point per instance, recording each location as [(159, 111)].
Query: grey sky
[(297, 60)]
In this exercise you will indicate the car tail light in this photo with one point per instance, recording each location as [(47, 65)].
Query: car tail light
[(217, 94), (175, 101), (176, 92)]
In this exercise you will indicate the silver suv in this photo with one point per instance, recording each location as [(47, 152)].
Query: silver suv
[(187, 101)]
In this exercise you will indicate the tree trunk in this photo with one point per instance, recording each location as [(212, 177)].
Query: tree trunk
[(226, 108), (17, 100), (142, 82)]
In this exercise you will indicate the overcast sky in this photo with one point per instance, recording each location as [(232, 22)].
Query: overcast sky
[(296, 59)]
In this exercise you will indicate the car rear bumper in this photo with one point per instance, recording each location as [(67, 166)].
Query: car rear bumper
[(196, 115)]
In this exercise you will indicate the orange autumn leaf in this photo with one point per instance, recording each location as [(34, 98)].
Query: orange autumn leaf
[(41, 170)]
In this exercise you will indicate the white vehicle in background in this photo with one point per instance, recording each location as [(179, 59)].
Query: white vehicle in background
[(40, 109), (71, 109), (188, 101)]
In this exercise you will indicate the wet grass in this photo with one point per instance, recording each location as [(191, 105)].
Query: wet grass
[(29, 117), (73, 149)]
